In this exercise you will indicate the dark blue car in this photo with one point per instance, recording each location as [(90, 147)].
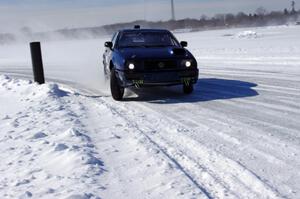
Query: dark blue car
[(148, 57)]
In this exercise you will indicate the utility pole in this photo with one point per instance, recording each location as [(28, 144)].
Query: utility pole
[(145, 10), (293, 7), (173, 10)]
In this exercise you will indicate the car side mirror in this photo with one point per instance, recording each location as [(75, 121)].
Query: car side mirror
[(108, 44), (184, 44)]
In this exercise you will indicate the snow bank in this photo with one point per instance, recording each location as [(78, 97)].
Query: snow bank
[(249, 34), (44, 150), (51, 141)]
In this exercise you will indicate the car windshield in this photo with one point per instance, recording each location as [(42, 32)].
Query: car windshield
[(147, 39)]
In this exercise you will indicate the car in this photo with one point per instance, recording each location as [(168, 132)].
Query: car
[(148, 57)]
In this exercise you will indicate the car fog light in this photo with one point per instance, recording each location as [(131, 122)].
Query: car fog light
[(188, 64), (131, 66)]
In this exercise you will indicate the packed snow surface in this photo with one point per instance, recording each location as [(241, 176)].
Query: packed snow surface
[(236, 136)]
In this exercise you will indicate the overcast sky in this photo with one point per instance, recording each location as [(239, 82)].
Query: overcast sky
[(44, 15)]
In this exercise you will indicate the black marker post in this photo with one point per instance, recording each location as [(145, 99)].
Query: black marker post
[(37, 62)]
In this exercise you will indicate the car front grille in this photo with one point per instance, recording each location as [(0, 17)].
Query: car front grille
[(160, 65)]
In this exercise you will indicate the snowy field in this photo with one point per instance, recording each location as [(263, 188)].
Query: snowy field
[(237, 136)]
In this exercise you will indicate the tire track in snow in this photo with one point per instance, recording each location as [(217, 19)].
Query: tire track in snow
[(220, 114), (199, 141), (221, 130), (272, 117), (135, 126), (174, 160), (268, 149), (187, 163)]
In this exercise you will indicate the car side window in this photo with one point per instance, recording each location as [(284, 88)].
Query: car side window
[(174, 40), (114, 39)]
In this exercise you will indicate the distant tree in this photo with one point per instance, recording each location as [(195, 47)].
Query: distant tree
[(286, 12), (261, 11), (26, 31), (241, 18), (213, 22), (276, 17), (203, 17), (293, 4), (7, 38), (241, 15), (203, 20), (220, 16), (220, 19), (275, 14), (229, 19)]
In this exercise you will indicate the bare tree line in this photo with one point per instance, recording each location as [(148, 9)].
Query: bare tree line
[(261, 17)]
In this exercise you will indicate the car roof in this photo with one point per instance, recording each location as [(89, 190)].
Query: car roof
[(144, 30)]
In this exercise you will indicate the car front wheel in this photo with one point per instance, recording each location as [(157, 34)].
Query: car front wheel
[(117, 91)]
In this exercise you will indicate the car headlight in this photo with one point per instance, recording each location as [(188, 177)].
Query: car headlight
[(188, 64), (131, 66)]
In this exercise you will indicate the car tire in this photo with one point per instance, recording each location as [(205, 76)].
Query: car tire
[(188, 89), (117, 91)]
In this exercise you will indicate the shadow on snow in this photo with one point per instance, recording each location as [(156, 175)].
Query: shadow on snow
[(207, 89)]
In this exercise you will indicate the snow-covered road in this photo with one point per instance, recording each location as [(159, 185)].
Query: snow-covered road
[(237, 136)]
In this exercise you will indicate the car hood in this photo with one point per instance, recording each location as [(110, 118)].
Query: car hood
[(159, 52)]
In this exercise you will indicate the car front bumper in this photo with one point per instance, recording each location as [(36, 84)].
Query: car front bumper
[(157, 78)]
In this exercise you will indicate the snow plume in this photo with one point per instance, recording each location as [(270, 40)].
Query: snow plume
[(65, 54), (77, 61)]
